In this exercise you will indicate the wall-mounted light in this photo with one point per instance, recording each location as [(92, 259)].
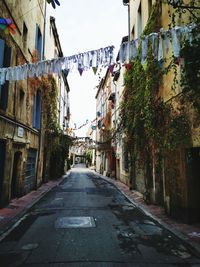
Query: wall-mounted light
[(103, 127)]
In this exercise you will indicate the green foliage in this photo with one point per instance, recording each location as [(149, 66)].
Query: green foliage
[(88, 157), (190, 77), (56, 143), (149, 123), (58, 154), (49, 95)]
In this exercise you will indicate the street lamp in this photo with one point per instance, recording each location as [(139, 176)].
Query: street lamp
[(181, 4)]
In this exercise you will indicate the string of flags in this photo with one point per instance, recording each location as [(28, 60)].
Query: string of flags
[(7, 25), (160, 42), (83, 125), (82, 62)]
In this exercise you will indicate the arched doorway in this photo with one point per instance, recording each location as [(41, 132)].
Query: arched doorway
[(15, 174)]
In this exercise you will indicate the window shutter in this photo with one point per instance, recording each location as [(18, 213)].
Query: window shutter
[(7, 56), (38, 109), (2, 45), (36, 36), (5, 87), (34, 112)]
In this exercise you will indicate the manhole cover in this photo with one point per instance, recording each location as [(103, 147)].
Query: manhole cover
[(30, 246), (75, 222)]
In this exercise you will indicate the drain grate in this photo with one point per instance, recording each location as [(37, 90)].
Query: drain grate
[(75, 222)]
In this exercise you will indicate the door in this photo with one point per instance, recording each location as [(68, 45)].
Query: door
[(193, 179), (2, 163), (30, 171), (15, 175)]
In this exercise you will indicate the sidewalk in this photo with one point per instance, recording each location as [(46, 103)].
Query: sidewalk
[(18, 207), (190, 233)]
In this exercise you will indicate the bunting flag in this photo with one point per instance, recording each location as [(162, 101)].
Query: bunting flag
[(111, 68), (81, 62), (53, 3), (160, 52), (144, 49), (94, 70), (160, 44), (176, 46), (7, 25)]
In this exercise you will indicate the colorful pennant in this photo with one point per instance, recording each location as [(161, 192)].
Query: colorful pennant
[(7, 25)]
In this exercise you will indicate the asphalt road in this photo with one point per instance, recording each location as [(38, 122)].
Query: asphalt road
[(85, 221)]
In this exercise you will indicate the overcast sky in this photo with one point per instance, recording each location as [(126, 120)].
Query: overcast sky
[(85, 25)]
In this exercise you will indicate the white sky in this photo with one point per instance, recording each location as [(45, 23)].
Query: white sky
[(85, 25)]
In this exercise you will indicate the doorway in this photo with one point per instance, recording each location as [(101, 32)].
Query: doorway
[(2, 163), (193, 178), (15, 174)]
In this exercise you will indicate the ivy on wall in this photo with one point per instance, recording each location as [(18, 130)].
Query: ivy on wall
[(150, 125), (190, 76)]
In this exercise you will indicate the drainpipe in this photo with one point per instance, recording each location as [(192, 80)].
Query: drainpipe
[(127, 3), (44, 29), (40, 130)]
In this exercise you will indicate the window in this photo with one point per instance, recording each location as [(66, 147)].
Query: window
[(125, 159), (21, 103), (37, 105), (139, 20), (5, 58), (25, 35), (133, 32), (2, 162), (38, 42)]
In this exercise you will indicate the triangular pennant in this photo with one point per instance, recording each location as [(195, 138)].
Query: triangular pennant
[(66, 72), (3, 26), (111, 68), (12, 28), (80, 71), (8, 21), (94, 70), (128, 66), (3, 21)]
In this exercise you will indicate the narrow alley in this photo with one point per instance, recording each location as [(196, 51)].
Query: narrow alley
[(86, 221)]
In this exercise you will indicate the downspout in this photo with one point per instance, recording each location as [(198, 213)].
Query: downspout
[(40, 130), (44, 29), (127, 3), (14, 104)]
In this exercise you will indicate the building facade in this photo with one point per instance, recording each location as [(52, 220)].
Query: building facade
[(22, 130), (168, 173), (155, 118)]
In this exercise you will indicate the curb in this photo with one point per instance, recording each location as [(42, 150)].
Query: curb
[(192, 244)]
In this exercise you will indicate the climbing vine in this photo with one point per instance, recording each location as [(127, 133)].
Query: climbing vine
[(56, 144), (150, 124), (190, 76)]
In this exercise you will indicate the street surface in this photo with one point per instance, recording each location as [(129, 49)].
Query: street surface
[(85, 221)]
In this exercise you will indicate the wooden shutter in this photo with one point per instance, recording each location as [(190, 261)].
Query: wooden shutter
[(5, 87), (34, 112), (2, 46)]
